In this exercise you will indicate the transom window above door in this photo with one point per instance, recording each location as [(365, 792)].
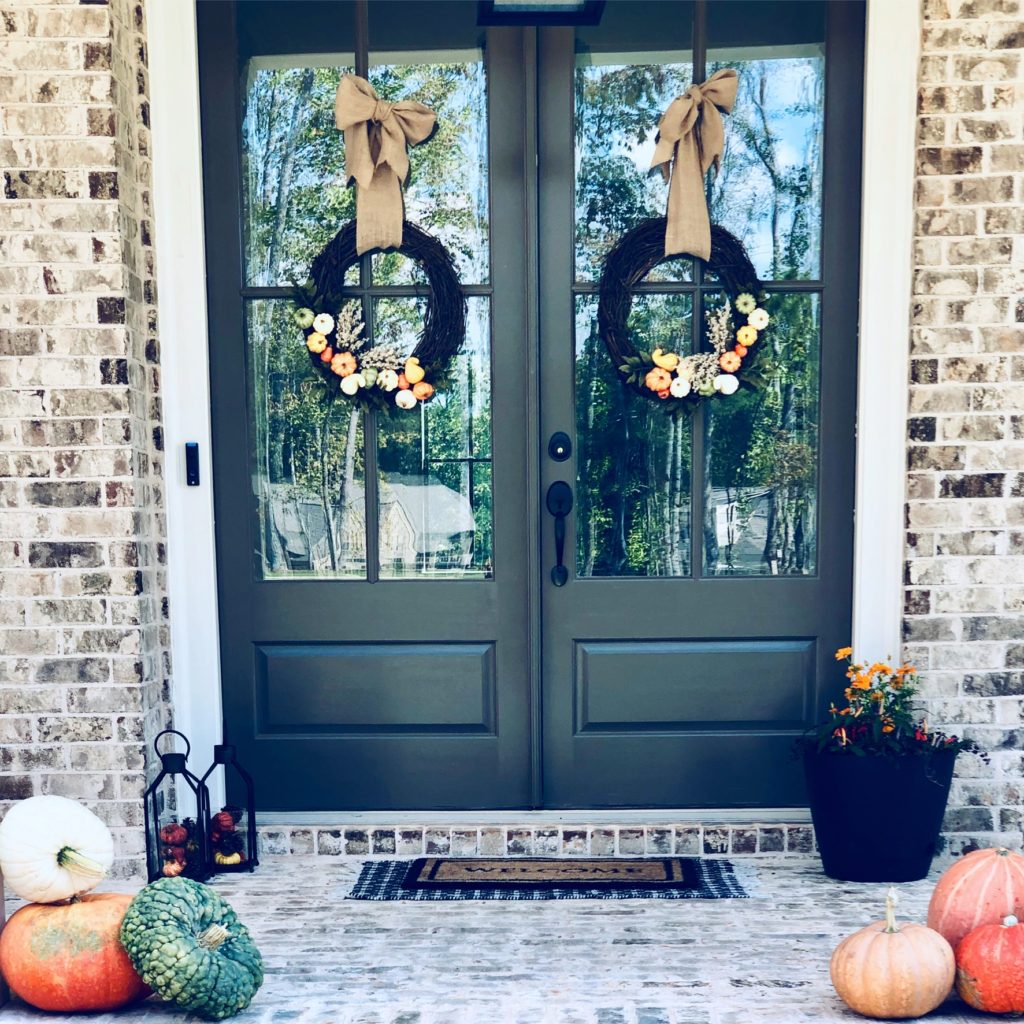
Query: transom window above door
[(340, 493)]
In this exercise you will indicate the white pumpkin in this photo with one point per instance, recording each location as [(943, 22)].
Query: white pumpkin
[(52, 848)]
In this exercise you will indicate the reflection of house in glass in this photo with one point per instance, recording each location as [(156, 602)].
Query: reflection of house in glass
[(424, 526)]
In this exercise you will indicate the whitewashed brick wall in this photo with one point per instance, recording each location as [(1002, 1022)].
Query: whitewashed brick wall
[(84, 670), (964, 620)]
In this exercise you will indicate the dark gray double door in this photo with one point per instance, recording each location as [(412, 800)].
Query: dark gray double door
[(706, 591)]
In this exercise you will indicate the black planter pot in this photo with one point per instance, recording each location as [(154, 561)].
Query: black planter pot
[(877, 819)]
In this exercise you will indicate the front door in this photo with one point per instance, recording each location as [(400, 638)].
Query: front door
[(392, 636)]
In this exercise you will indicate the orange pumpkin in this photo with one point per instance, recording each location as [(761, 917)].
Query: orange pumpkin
[(658, 379), (729, 361), (990, 967), (983, 888), (889, 970), (67, 957), (422, 390)]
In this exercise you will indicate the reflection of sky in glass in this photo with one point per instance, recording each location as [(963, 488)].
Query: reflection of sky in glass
[(617, 110), (294, 155), (779, 112), (449, 196)]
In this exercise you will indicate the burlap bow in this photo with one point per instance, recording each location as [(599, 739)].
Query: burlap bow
[(377, 135), (690, 140)]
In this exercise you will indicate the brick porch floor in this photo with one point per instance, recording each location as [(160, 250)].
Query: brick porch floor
[(586, 962)]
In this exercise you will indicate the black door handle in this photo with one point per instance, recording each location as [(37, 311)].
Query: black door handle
[(559, 502)]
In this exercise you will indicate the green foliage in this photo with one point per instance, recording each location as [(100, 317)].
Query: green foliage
[(880, 717)]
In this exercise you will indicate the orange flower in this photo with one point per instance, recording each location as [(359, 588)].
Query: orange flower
[(861, 682), (888, 728), (729, 361), (658, 379), (877, 695), (343, 364), (843, 653), (879, 667)]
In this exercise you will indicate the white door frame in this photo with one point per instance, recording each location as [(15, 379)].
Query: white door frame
[(891, 67)]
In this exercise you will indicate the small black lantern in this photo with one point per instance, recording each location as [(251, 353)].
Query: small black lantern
[(232, 830), (176, 815)]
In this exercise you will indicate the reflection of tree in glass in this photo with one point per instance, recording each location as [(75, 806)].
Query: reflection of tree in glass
[(633, 488), (760, 448), (768, 191), (617, 112), (762, 455), (316, 462), (309, 451)]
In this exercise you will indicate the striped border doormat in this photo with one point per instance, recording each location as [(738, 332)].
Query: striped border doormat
[(466, 878)]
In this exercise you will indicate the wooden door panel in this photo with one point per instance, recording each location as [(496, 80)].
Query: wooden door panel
[(347, 688), (679, 662), (365, 681), (683, 686)]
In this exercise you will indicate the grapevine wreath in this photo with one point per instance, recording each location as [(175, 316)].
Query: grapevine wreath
[(380, 377), (734, 329)]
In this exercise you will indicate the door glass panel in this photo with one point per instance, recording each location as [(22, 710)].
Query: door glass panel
[(761, 457), (633, 459), (628, 70), (435, 492), (307, 469), (293, 166), (421, 52), (769, 190)]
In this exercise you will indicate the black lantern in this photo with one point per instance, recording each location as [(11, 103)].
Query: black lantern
[(176, 806), (232, 830)]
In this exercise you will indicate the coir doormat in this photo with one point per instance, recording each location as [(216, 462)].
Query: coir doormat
[(465, 878)]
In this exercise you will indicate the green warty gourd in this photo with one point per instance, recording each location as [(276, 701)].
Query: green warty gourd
[(189, 947)]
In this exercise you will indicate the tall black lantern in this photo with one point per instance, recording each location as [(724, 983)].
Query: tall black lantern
[(232, 830), (176, 816)]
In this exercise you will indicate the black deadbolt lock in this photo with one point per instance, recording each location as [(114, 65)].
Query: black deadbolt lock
[(560, 446)]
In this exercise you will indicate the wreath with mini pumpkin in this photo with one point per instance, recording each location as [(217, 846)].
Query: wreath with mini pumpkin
[(380, 376), (735, 329)]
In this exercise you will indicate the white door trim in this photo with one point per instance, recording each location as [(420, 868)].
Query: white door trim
[(893, 42), (887, 243), (184, 368)]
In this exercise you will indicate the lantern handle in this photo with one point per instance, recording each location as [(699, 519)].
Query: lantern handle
[(172, 732)]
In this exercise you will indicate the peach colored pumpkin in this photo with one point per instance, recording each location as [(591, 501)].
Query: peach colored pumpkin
[(68, 957), (889, 970), (983, 888)]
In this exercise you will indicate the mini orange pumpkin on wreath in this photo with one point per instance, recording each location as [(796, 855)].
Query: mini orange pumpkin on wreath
[(735, 330), (381, 377)]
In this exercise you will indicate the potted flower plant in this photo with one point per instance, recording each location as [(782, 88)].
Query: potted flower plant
[(878, 778)]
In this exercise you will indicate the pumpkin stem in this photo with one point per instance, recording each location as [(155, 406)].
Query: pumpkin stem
[(213, 936), (891, 899), (82, 865)]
